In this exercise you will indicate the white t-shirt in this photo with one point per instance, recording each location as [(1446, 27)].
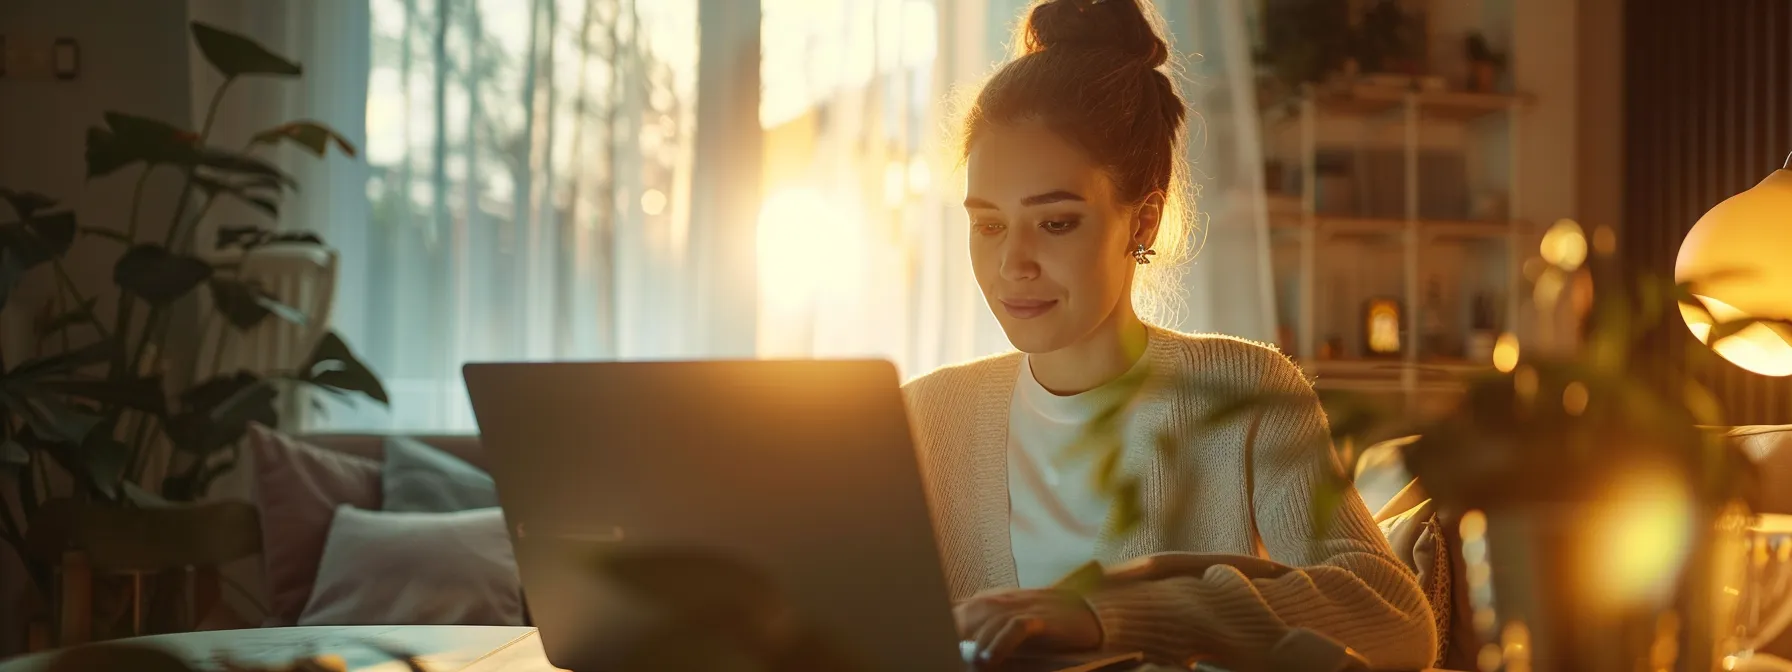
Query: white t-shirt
[(1055, 510)]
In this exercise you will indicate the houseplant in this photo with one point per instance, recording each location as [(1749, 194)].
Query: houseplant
[(1484, 63), (1599, 518), (82, 425)]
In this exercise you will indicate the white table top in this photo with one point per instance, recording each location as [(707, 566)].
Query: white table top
[(443, 648)]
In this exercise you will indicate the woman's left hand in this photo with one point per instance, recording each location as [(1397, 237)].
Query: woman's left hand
[(1049, 619)]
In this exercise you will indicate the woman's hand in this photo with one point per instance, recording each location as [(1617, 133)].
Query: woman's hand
[(1173, 564), (999, 623)]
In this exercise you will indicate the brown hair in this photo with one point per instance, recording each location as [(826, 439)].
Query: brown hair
[(1097, 73)]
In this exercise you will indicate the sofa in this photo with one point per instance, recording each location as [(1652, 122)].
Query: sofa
[(299, 483)]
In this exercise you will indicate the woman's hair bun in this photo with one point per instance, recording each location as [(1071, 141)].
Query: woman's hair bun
[(1115, 26)]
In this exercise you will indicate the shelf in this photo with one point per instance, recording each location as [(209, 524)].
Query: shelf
[(1368, 100), (1385, 375), (1389, 386), (1391, 368), (1375, 227)]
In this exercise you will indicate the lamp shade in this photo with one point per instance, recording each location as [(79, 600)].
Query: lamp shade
[(1740, 255)]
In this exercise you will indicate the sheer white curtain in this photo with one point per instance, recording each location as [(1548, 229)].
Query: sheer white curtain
[(1230, 285), (524, 187), (533, 181)]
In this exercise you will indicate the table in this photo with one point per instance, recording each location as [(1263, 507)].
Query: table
[(442, 648)]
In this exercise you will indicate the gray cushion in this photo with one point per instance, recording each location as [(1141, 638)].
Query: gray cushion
[(420, 478), (406, 568)]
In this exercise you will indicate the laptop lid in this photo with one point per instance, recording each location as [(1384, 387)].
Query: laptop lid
[(802, 471)]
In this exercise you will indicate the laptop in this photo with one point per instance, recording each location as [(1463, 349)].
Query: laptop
[(796, 480)]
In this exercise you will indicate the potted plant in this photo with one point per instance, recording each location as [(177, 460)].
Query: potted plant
[(1484, 63), (1304, 42), (80, 426), (1387, 39), (1600, 519)]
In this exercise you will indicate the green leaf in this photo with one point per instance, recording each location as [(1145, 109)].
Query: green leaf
[(312, 135), (1327, 499), (151, 272), (242, 236), (251, 237), (57, 421), (129, 139), (116, 236), (136, 495), (105, 459), (11, 274), (39, 239), (81, 443), (63, 362), (251, 172), (143, 394), (81, 314), (57, 231), (245, 304), (334, 365), (217, 412), (213, 187), (13, 454), (234, 55), (25, 202)]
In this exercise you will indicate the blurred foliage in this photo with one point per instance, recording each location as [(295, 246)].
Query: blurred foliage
[(97, 401), (1540, 427)]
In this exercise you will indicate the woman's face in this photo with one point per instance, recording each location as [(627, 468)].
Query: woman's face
[(1051, 245)]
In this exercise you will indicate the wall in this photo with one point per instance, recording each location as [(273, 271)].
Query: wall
[(1707, 114), (1601, 113), (134, 58), (1545, 66)]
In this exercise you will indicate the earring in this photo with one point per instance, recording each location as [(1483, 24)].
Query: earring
[(1142, 254)]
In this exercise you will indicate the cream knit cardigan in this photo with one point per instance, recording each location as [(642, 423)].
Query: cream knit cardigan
[(1259, 471)]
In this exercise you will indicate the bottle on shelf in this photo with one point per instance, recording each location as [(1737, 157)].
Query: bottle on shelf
[(1432, 340), (1483, 330)]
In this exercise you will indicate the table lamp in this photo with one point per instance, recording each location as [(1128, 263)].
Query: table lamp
[(1740, 255)]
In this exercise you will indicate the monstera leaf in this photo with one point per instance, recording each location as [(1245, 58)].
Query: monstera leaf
[(25, 202), (217, 412), (245, 304), (160, 277), (235, 55), (311, 135), (335, 368), (129, 139)]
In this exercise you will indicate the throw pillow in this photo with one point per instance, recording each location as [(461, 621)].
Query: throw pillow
[(408, 568), (420, 478), (297, 489), (1419, 541)]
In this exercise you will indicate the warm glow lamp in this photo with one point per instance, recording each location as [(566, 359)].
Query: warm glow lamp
[(1741, 255)]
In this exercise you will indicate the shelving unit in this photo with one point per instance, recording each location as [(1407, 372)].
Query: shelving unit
[(1423, 248)]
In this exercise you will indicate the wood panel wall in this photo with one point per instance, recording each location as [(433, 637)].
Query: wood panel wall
[(1707, 113)]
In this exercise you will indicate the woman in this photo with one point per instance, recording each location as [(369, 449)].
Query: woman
[(1072, 182)]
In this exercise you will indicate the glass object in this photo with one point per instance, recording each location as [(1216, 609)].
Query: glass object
[(1764, 602), (1381, 324)]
